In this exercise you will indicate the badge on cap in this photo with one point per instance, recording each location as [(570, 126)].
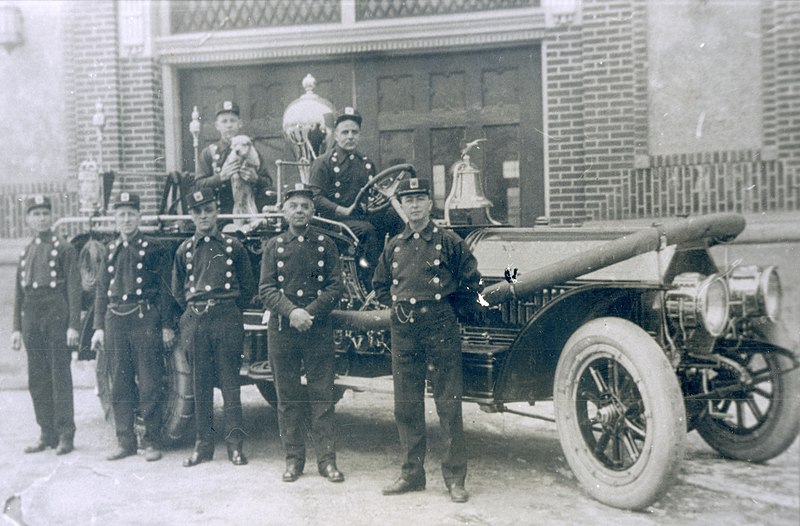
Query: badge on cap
[(349, 111), (227, 105), (197, 196), (299, 186), (38, 199), (413, 183), (124, 197)]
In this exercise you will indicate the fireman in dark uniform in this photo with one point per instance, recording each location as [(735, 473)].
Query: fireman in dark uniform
[(133, 317), (337, 176), (214, 174), (419, 273), (47, 311), (300, 285), (213, 281)]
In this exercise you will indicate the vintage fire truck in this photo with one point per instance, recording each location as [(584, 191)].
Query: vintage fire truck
[(635, 334)]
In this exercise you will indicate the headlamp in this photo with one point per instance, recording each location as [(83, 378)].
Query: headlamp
[(755, 292), (697, 300)]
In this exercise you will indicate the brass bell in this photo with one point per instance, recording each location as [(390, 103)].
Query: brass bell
[(466, 191)]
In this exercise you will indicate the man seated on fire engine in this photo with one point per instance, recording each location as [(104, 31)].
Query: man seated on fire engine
[(217, 171), (336, 177)]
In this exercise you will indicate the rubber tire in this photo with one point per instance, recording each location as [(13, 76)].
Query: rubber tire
[(178, 411), (653, 472), (776, 434)]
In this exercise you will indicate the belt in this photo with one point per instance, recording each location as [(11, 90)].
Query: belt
[(405, 310), (201, 307)]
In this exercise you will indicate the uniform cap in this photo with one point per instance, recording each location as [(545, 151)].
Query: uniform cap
[(127, 199), (227, 106), (37, 201), (199, 197), (413, 186), (299, 190), (348, 114)]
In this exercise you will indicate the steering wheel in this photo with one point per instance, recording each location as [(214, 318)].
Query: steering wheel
[(382, 188)]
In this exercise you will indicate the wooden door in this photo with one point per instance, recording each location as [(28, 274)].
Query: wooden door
[(423, 109), (263, 92)]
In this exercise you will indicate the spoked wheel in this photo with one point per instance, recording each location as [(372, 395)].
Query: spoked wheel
[(382, 188), (178, 411), (619, 412), (760, 420)]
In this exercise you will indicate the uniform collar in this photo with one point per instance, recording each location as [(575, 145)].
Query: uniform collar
[(340, 155), (46, 235), (198, 238), (136, 238), (426, 233), (291, 237)]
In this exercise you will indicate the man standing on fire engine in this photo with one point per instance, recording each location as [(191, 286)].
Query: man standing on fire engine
[(213, 281), (215, 174), (47, 313), (300, 285), (420, 272), (133, 317)]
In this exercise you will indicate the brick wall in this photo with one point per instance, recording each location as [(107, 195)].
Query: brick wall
[(565, 127), (130, 90), (142, 115), (91, 74), (782, 35)]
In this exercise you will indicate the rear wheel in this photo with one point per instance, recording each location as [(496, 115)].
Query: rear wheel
[(761, 420), (179, 407), (620, 413)]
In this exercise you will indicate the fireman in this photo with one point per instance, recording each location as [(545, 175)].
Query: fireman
[(213, 281), (300, 285), (47, 311), (420, 272), (215, 174), (133, 317)]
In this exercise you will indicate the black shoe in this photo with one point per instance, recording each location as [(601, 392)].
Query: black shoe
[(197, 457), (40, 446), (236, 456), (152, 454), (292, 473), (64, 446), (458, 493), (402, 485), (121, 453), (330, 472)]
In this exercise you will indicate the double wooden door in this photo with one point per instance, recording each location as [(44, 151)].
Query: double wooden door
[(421, 109)]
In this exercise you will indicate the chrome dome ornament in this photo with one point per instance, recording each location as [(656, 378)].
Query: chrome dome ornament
[(307, 125)]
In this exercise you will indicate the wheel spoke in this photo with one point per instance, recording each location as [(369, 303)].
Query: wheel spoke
[(630, 446), (754, 408), (740, 413), (762, 392), (602, 388), (602, 442), (635, 429)]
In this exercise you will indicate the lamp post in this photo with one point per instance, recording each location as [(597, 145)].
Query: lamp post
[(194, 129), (99, 123)]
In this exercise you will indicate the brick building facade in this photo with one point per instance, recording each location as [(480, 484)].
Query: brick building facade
[(595, 143)]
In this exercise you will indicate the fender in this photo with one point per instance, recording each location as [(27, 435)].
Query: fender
[(529, 368)]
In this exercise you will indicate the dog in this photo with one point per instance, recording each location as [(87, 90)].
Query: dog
[(243, 184)]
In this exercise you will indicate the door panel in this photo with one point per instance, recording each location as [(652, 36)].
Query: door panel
[(425, 108)]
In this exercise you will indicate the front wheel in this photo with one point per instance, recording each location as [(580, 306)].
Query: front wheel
[(619, 412), (760, 420)]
